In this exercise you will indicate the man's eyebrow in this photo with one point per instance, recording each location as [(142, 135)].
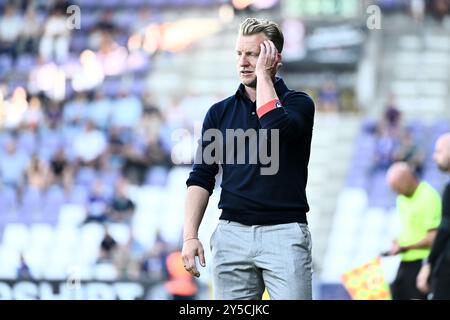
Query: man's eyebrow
[(247, 52)]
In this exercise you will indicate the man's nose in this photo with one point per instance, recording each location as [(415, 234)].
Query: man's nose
[(243, 61)]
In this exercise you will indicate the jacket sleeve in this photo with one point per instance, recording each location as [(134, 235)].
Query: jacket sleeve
[(203, 172), (443, 234), (294, 118)]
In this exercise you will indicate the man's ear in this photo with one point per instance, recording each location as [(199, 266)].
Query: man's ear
[(278, 67), (279, 64)]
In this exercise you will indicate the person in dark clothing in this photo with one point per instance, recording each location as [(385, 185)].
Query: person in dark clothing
[(107, 248), (23, 271), (262, 239), (97, 208), (60, 170), (138, 162), (436, 270), (122, 208)]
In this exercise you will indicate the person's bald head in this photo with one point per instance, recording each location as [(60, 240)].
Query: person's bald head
[(442, 152), (401, 179)]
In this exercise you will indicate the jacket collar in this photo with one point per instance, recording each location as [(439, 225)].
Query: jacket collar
[(280, 88)]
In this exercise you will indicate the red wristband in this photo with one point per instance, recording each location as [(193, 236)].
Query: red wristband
[(269, 106)]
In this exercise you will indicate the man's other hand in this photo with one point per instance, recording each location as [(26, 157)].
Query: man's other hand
[(191, 249)]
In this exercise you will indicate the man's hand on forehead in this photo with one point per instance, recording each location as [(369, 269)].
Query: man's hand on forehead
[(268, 59)]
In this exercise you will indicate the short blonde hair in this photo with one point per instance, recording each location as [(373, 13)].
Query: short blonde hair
[(253, 26)]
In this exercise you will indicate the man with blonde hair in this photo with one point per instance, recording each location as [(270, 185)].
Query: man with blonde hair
[(262, 239)]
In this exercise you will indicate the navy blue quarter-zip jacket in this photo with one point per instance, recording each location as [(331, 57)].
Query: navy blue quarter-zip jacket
[(249, 197)]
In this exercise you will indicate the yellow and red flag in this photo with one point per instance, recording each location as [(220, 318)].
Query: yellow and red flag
[(367, 282)]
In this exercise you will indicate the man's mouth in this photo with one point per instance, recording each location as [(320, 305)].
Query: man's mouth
[(246, 73)]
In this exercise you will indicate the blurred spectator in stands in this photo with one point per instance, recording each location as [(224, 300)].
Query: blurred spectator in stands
[(136, 163), (174, 118), (11, 24), (418, 10), (150, 123), (174, 115), (419, 207), (408, 150), (328, 100), (392, 117), (3, 105), (61, 172), (139, 160), (13, 163), (181, 284), (23, 271), (122, 208), (89, 146), (439, 8), (130, 257), (53, 113), (384, 149), (99, 110), (388, 133), (148, 100), (116, 147), (89, 74), (33, 117), (108, 248), (60, 5), (46, 78), (142, 21), (106, 23), (98, 204), (37, 173), (126, 110), (154, 264), (31, 33), (156, 153), (102, 34), (54, 45), (15, 108), (111, 55), (436, 270), (75, 111)]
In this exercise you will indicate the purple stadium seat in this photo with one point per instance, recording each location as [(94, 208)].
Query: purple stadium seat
[(110, 4), (141, 3), (32, 205), (5, 64), (356, 180), (125, 20), (85, 177), (110, 177), (156, 176), (25, 63), (8, 203), (86, 3), (138, 62), (79, 195), (137, 87), (111, 87), (27, 142), (5, 137), (122, 39), (442, 125), (53, 200), (88, 20), (159, 3), (79, 42)]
